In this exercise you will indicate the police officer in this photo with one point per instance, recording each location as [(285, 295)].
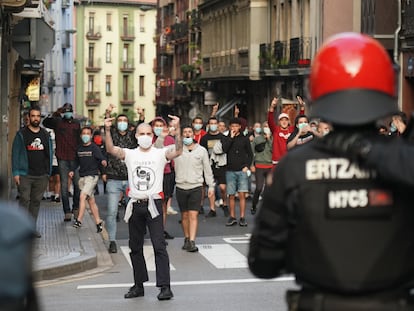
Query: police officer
[(346, 234)]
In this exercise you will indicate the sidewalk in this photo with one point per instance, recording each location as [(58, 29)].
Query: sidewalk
[(63, 250)]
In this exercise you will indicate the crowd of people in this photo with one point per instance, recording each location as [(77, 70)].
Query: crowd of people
[(206, 159)]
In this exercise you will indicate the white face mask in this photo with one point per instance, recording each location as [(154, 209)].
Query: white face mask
[(144, 141)]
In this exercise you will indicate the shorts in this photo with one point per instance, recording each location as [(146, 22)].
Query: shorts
[(189, 200), (219, 174), (168, 185), (55, 170), (237, 181), (87, 185)]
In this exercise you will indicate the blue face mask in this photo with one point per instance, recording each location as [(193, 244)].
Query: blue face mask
[(198, 127), (213, 127), (302, 125), (188, 141), (68, 115), (86, 138), (258, 130), (122, 126), (393, 128), (158, 131)]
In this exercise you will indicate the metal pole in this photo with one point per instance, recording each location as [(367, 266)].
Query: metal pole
[(396, 34)]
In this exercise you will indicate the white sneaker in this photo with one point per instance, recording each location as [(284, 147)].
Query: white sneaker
[(171, 211)]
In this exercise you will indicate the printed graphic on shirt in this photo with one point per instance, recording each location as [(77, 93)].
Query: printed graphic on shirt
[(284, 135), (335, 168), (143, 178), (35, 145)]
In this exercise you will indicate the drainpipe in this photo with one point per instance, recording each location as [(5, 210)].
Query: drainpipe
[(396, 34)]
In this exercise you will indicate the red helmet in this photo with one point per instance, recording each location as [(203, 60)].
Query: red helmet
[(352, 81)]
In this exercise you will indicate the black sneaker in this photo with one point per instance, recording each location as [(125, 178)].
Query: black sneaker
[(135, 291), (242, 222), (211, 213), (231, 222), (253, 210), (99, 227), (112, 247), (168, 236), (186, 243), (226, 211), (192, 248), (57, 199), (201, 211), (165, 293), (77, 224)]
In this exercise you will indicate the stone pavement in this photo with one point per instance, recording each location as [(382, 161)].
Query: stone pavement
[(63, 250)]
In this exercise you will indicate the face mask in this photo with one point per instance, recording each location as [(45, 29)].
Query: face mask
[(245, 132), (213, 127), (302, 125), (86, 138), (144, 141), (198, 127), (325, 132), (68, 115), (187, 141), (97, 140), (393, 128), (158, 131), (266, 130), (258, 130), (122, 126)]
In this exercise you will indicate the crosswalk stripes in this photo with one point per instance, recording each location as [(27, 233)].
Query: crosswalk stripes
[(148, 255)]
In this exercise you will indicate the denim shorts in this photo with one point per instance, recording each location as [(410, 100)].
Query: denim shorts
[(87, 184), (237, 181)]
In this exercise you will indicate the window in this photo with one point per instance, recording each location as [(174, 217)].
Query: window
[(91, 52), (108, 53), (91, 22), (109, 21), (142, 53), (142, 23), (125, 87), (91, 114), (125, 53), (108, 91), (125, 25), (141, 85), (90, 83)]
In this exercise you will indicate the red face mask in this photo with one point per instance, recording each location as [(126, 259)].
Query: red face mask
[(97, 140)]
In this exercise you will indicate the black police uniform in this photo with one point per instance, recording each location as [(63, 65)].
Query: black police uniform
[(346, 236)]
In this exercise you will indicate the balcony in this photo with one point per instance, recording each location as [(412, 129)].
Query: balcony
[(127, 66), (128, 34), (179, 32), (94, 34), (280, 54), (127, 98), (66, 81), (94, 65), (92, 98), (50, 79)]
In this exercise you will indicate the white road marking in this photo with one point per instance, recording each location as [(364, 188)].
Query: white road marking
[(148, 255), (238, 240), (187, 283), (223, 256)]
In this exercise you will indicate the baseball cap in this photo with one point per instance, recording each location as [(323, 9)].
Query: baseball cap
[(283, 115)]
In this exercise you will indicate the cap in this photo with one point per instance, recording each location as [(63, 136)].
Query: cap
[(158, 119), (283, 115)]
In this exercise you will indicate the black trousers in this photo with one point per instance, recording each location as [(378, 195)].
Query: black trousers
[(140, 219)]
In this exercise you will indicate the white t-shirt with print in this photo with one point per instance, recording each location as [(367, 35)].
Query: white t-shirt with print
[(145, 171)]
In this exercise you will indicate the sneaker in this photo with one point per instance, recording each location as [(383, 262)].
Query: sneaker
[(186, 244), (165, 293), (77, 224), (231, 222), (171, 211), (211, 213), (52, 198), (57, 199), (112, 247), (135, 291), (168, 236), (226, 211), (242, 222), (253, 210), (68, 217), (201, 211), (99, 227), (192, 248)]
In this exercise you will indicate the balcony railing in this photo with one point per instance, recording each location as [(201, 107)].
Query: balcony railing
[(94, 34), (128, 66), (92, 98), (280, 54), (66, 81), (128, 34), (179, 31), (127, 98), (93, 65)]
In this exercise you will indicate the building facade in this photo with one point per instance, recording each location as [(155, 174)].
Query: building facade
[(115, 54)]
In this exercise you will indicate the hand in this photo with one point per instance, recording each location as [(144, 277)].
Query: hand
[(273, 104), (104, 163), (71, 174), (305, 130), (300, 100), (140, 111), (17, 180), (245, 169), (236, 111), (216, 107), (104, 177), (108, 122), (253, 169), (175, 122), (110, 108), (210, 193)]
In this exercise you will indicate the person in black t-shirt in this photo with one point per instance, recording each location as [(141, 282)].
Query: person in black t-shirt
[(32, 155), (302, 133), (89, 157)]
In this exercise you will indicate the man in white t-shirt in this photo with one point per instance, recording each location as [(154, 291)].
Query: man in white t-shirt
[(145, 166)]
